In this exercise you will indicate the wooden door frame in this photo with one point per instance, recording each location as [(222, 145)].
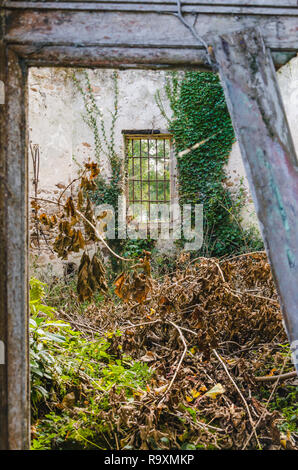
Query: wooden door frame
[(145, 35)]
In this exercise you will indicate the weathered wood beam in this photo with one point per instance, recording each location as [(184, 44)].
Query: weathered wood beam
[(3, 264), (146, 30), (268, 152), (239, 8), (263, 3), (116, 57), (14, 373)]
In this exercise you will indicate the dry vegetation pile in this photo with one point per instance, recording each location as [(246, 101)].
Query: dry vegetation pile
[(212, 333)]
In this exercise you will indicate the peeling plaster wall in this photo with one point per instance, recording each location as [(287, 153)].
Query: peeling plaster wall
[(56, 124), (55, 116)]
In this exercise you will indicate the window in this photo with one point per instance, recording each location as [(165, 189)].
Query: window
[(149, 173)]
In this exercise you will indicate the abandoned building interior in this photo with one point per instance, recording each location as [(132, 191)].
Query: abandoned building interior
[(64, 140), (99, 106)]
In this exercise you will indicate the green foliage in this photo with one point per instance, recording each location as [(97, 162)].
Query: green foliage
[(61, 294), (135, 248), (37, 293), (45, 338), (200, 114), (64, 362), (285, 398), (148, 180), (164, 263), (285, 401)]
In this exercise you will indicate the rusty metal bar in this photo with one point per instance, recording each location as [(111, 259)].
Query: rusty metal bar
[(267, 148)]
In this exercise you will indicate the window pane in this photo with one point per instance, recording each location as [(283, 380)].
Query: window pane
[(160, 148), (130, 191), (152, 168), (167, 174), (136, 169), (145, 191), (167, 190), (167, 147), (153, 190), (137, 186), (148, 173), (167, 168), (160, 191), (129, 168), (160, 168), (145, 173), (152, 148), (142, 148)]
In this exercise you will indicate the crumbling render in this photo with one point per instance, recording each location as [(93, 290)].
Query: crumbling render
[(120, 34)]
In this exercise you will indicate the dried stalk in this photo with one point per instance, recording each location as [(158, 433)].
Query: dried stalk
[(101, 238), (240, 394), (272, 378), (180, 362), (268, 401)]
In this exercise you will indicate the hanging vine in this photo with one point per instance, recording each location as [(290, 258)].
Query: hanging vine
[(108, 189)]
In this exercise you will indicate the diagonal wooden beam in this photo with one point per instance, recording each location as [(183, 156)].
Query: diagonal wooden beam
[(267, 149)]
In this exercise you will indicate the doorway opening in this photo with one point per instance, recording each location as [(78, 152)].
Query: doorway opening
[(125, 320)]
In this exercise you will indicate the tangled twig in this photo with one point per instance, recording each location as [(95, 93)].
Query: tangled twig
[(272, 378), (180, 361), (268, 401), (240, 394)]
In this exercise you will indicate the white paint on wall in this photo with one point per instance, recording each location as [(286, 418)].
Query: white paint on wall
[(236, 179), (56, 124)]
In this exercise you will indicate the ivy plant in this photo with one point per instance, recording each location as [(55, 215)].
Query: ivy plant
[(200, 116)]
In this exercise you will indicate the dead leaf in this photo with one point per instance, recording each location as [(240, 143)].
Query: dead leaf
[(213, 393)]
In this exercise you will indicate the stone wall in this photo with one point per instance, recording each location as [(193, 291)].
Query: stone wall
[(56, 108), (56, 124)]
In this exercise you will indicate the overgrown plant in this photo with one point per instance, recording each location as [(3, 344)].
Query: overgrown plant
[(108, 190), (76, 223), (213, 338), (201, 125), (67, 369)]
